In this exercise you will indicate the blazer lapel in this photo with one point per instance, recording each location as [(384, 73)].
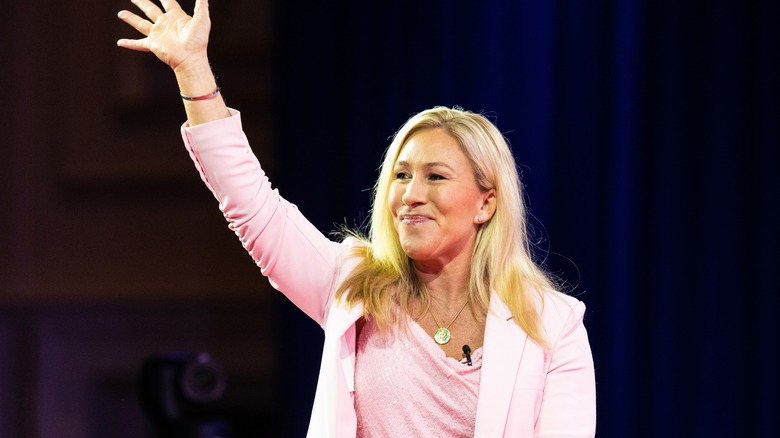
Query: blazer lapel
[(333, 414), (340, 318), (502, 350), (340, 338)]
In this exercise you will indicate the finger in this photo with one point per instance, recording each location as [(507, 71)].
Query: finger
[(137, 45), (169, 5), (138, 23), (201, 10), (150, 9)]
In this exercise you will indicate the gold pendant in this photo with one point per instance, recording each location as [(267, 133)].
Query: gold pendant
[(441, 336)]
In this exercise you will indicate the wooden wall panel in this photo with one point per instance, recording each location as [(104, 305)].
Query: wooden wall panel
[(103, 201), (111, 248)]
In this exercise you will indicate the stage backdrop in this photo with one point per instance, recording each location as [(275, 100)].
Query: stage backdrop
[(647, 134)]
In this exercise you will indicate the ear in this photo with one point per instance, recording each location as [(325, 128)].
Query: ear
[(488, 207)]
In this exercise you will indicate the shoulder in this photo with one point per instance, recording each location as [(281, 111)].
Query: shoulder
[(352, 251), (560, 313), (559, 304)]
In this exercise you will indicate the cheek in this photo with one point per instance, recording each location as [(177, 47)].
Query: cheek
[(462, 206), (393, 198)]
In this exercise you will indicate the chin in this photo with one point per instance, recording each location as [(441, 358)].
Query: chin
[(415, 252)]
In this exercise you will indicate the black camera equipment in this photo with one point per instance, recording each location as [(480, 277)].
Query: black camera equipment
[(182, 396)]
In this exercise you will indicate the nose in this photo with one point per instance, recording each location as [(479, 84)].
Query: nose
[(414, 194)]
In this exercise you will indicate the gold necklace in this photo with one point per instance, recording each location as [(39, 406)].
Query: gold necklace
[(442, 334)]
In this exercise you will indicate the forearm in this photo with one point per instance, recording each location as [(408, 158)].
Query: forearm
[(195, 78), (299, 260)]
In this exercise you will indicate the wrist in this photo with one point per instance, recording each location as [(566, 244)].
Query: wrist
[(195, 77), (207, 96)]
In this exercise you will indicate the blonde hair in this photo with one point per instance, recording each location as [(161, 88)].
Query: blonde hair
[(502, 260)]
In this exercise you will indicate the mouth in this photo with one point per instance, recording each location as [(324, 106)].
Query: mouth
[(413, 219)]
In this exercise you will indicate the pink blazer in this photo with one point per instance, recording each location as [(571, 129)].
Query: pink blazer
[(524, 391)]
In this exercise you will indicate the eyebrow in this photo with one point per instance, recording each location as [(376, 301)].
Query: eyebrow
[(426, 165)]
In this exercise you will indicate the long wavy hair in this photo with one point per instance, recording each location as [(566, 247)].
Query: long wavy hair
[(384, 280)]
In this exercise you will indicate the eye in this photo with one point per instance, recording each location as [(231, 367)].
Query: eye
[(401, 175), (436, 177)]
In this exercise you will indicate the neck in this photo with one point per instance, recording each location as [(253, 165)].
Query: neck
[(446, 287)]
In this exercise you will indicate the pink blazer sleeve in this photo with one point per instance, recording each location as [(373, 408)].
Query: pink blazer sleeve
[(297, 258), (569, 401)]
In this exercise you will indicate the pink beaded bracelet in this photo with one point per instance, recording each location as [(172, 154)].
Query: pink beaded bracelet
[(211, 95)]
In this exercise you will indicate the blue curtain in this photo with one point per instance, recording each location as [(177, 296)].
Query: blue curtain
[(647, 134)]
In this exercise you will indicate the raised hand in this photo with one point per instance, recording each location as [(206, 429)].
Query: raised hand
[(180, 41), (173, 36)]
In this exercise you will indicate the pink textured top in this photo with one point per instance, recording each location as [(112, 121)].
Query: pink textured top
[(406, 386)]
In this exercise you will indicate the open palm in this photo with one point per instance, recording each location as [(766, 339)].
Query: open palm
[(171, 34)]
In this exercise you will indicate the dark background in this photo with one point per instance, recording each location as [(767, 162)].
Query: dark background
[(647, 135)]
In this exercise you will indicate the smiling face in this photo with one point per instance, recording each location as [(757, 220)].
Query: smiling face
[(435, 200)]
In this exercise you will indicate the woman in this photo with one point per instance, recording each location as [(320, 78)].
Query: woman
[(439, 324)]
